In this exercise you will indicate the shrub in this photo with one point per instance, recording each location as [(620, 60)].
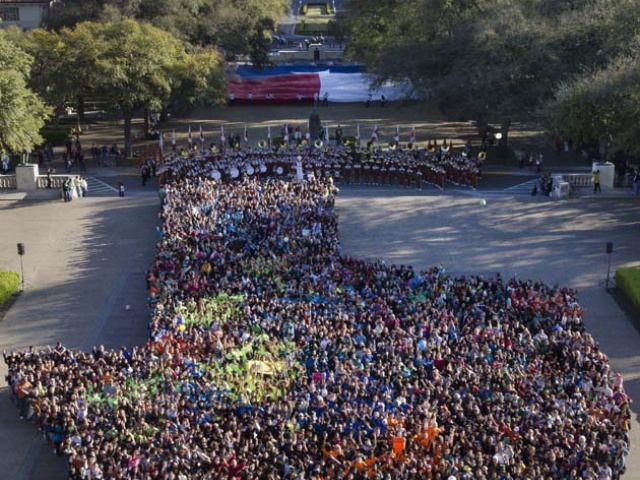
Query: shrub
[(628, 281), (55, 136), (9, 283)]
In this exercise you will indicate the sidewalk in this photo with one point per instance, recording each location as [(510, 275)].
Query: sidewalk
[(84, 261)]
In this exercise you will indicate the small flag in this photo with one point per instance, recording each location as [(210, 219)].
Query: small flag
[(269, 133), (286, 134), (396, 137), (412, 139), (189, 139), (374, 134), (326, 133), (173, 136), (358, 132), (245, 135), (201, 136), (161, 143), (222, 133)]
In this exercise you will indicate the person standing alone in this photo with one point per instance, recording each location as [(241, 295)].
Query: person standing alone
[(595, 176)]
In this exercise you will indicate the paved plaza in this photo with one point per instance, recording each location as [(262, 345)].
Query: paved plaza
[(86, 260)]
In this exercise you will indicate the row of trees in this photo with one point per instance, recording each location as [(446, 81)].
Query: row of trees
[(131, 64), (239, 27), (132, 54), (571, 64)]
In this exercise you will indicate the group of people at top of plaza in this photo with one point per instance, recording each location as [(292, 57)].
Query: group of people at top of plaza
[(398, 165), (272, 355)]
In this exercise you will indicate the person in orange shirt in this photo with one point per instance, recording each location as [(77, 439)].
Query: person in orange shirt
[(23, 391)]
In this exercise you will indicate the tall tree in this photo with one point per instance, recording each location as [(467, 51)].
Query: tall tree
[(63, 71), (22, 112), (490, 60), (600, 107), (136, 68), (200, 79)]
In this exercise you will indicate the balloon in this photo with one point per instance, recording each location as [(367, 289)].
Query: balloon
[(483, 202), (422, 344)]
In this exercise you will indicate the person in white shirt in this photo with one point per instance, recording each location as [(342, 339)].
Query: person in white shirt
[(5, 164)]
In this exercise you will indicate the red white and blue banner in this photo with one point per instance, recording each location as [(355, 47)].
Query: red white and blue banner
[(299, 83)]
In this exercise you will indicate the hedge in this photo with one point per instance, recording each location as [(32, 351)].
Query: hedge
[(56, 136), (9, 283), (628, 282)]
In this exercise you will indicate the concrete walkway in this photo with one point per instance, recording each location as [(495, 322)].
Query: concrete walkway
[(86, 260)]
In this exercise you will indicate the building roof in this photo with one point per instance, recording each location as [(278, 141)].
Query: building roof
[(25, 2)]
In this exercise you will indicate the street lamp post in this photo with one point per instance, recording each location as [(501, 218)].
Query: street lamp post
[(21, 252)]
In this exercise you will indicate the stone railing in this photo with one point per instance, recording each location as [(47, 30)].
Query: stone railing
[(8, 182), (578, 180), (56, 180)]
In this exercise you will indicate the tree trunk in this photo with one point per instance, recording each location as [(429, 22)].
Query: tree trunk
[(128, 146), (80, 107), (147, 130), (503, 143)]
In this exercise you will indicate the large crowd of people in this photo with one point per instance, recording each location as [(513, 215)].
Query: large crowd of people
[(272, 355)]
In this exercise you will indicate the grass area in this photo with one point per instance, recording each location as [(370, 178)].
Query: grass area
[(9, 283), (316, 9), (628, 282), (313, 26)]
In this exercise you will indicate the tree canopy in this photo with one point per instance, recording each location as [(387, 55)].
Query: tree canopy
[(602, 104), (240, 27), (490, 60), (23, 113), (132, 64)]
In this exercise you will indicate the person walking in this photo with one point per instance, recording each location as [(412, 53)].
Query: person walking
[(595, 176), (5, 164)]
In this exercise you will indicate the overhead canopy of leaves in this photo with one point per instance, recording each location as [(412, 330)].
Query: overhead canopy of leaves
[(600, 103), (128, 63), (200, 79), (22, 112), (489, 59), (239, 26)]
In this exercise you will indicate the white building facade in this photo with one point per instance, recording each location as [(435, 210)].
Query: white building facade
[(26, 14)]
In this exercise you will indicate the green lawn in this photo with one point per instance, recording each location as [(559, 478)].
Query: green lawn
[(316, 9), (312, 27), (9, 283), (628, 281)]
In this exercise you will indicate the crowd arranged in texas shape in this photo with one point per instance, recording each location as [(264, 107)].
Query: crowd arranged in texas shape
[(273, 355)]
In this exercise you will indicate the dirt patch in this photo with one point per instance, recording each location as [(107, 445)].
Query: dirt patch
[(424, 117)]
